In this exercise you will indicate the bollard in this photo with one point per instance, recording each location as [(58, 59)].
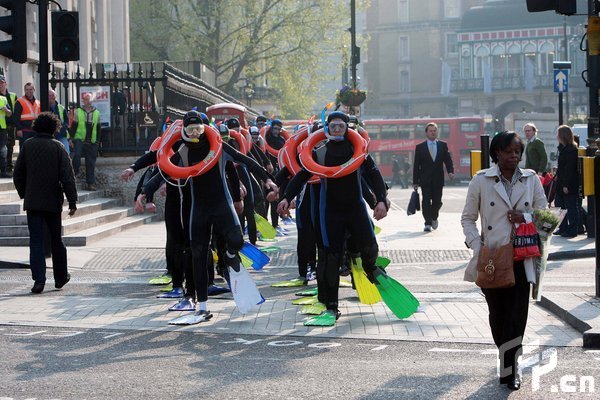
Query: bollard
[(475, 162), (485, 151)]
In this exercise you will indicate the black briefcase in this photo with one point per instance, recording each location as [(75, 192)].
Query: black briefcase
[(414, 203)]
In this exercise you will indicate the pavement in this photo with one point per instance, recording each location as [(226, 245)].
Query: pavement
[(128, 259)]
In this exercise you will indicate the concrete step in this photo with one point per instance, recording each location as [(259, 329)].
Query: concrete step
[(6, 184), (74, 224), (15, 206), (87, 236), (85, 208)]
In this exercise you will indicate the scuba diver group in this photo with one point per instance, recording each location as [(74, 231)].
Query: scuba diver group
[(221, 180)]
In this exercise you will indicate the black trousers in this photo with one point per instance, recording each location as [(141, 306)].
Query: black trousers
[(307, 243), (35, 222), (508, 318), (431, 202)]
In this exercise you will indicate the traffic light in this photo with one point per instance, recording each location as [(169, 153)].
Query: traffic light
[(65, 36), (565, 7), (15, 25)]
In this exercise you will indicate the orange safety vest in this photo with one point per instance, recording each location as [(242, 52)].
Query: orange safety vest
[(30, 111)]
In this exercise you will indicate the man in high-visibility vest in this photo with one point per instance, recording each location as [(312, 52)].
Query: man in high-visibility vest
[(85, 133), (61, 112), (10, 124), (4, 114), (27, 109)]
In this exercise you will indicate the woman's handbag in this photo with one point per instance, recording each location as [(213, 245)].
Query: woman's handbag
[(495, 268), (526, 242)]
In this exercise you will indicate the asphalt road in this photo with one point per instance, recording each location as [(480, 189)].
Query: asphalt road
[(47, 363)]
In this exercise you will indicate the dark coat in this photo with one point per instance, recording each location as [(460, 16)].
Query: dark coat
[(427, 172), (567, 174), (42, 173)]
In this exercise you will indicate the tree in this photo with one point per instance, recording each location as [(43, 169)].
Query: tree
[(275, 43)]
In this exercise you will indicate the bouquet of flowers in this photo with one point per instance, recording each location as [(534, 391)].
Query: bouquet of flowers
[(545, 222), (350, 97)]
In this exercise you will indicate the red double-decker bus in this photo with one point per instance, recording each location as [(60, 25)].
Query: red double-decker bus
[(390, 137)]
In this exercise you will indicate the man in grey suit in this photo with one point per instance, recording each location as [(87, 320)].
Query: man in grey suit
[(428, 172)]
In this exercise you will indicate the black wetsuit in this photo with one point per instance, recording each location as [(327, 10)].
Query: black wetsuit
[(211, 206), (277, 143), (342, 212)]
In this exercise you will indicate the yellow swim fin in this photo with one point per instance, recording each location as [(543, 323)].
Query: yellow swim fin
[(367, 292), (264, 227)]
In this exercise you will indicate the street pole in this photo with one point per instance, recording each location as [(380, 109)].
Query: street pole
[(566, 58), (560, 108), (485, 151), (353, 55), (43, 67), (597, 214), (593, 69)]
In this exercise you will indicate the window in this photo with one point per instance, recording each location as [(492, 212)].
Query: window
[(406, 132), (388, 132), (403, 11), (451, 43), (403, 49), (470, 127), (451, 9), (404, 82)]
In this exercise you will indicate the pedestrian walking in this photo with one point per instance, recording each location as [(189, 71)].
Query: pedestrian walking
[(567, 182), (502, 196), (428, 173), (535, 152), (42, 174)]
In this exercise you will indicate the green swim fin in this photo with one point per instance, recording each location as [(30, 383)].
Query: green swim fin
[(167, 288), (246, 262), (264, 227), (269, 249), (326, 318), (382, 262), (313, 309), (296, 282), (399, 300), (367, 292), (164, 279), (345, 283), (376, 229), (308, 292), (305, 301)]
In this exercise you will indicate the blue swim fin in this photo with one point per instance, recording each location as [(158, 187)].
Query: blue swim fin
[(399, 300), (245, 293), (259, 259)]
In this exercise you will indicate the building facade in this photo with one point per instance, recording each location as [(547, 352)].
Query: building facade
[(468, 58), (103, 38)]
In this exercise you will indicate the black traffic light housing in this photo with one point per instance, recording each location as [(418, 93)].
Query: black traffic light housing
[(565, 7), (15, 25), (65, 36)]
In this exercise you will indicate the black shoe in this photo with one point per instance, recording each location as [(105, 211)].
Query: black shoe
[(568, 235), (37, 288), (557, 233), (514, 384), (59, 285), (233, 262)]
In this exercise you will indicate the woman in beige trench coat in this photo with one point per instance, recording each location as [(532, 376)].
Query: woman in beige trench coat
[(503, 195)]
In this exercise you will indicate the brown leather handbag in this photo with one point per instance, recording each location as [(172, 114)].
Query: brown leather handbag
[(495, 267)]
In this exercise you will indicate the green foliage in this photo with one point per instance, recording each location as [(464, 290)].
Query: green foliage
[(283, 44)]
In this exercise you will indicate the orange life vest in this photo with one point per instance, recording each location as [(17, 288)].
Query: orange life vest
[(30, 111)]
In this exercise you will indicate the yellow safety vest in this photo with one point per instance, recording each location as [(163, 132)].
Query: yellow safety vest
[(3, 103), (81, 124)]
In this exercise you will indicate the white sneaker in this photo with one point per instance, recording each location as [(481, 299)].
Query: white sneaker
[(427, 228), (434, 224)]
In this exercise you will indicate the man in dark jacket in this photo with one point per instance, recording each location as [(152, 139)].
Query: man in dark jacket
[(42, 173), (428, 173)]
